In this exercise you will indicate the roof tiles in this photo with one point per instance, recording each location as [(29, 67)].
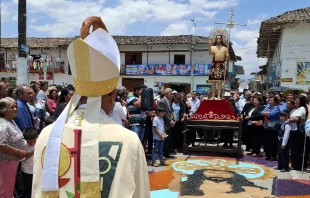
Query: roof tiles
[(120, 40)]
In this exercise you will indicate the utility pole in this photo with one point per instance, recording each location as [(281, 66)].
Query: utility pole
[(268, 67), (22, 61), (191, 61), (230, 24), (0, 27)]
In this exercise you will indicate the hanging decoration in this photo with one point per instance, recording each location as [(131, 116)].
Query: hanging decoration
[(36, 64)]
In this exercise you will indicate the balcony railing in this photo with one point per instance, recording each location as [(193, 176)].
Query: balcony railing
[(8, 65), (11, 66)]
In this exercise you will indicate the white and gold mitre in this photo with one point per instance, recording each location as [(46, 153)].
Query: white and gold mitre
[(95, 63)]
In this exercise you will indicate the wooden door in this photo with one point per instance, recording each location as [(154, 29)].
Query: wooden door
[(167, 85), (187, 88), (130, 83), (128, 59)]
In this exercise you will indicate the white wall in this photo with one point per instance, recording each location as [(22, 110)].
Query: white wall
[(199, 57), (295, 47), (150, 80)]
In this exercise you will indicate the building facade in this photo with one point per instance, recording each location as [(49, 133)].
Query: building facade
[(156, 61), (288, 38)]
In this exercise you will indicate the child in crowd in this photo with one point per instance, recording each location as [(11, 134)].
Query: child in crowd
[(283, 148), (30, 135), (159, 136)]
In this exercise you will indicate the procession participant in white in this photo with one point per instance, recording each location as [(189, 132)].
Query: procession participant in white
[(94, 156)]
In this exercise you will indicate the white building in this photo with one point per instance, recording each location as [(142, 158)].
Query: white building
[(147, 53), (289, 48)]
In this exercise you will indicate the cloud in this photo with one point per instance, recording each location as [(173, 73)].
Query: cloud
[(244, 35), (245, 45), (207, 28), (63, 17), (8, 12), (71, 13), (215, 4), (257, 20), (180, 28)]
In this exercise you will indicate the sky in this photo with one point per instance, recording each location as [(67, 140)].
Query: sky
[(62, 18)]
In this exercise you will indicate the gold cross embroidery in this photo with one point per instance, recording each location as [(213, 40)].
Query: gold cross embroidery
[(80, 119)]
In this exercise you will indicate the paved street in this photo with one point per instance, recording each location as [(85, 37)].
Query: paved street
[(203, 176)]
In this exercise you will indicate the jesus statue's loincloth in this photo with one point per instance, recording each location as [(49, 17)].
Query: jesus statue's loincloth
[(217, 71)]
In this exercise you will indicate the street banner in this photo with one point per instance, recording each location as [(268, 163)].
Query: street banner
[(203, 89), (168, 69)]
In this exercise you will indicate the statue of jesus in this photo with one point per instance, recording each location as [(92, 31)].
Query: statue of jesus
[(218, 73)]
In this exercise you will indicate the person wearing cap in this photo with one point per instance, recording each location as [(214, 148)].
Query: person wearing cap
[(85, 153)]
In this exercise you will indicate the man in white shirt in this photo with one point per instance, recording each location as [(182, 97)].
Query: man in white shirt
[(119, 112), (41, 93), (194, 103), (243, 101)]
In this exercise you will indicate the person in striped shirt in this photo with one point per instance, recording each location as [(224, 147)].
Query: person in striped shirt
[(136, 116)]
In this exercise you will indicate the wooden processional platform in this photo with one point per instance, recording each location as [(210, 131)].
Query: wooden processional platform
[(213, 118)]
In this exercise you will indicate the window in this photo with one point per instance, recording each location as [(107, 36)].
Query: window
[(133, 58), (179, 59)]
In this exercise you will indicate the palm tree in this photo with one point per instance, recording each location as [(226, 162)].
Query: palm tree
[(22, 22)]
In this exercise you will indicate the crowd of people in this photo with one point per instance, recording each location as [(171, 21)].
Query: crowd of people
[(276, 123), (24, 111), (273, 125)]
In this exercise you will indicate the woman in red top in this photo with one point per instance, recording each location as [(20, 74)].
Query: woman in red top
[(52, 102)]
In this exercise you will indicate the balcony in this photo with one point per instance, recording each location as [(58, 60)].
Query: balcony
[(8, 65), (11, 66)]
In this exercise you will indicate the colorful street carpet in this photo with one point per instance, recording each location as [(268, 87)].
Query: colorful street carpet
[(220, 177)]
